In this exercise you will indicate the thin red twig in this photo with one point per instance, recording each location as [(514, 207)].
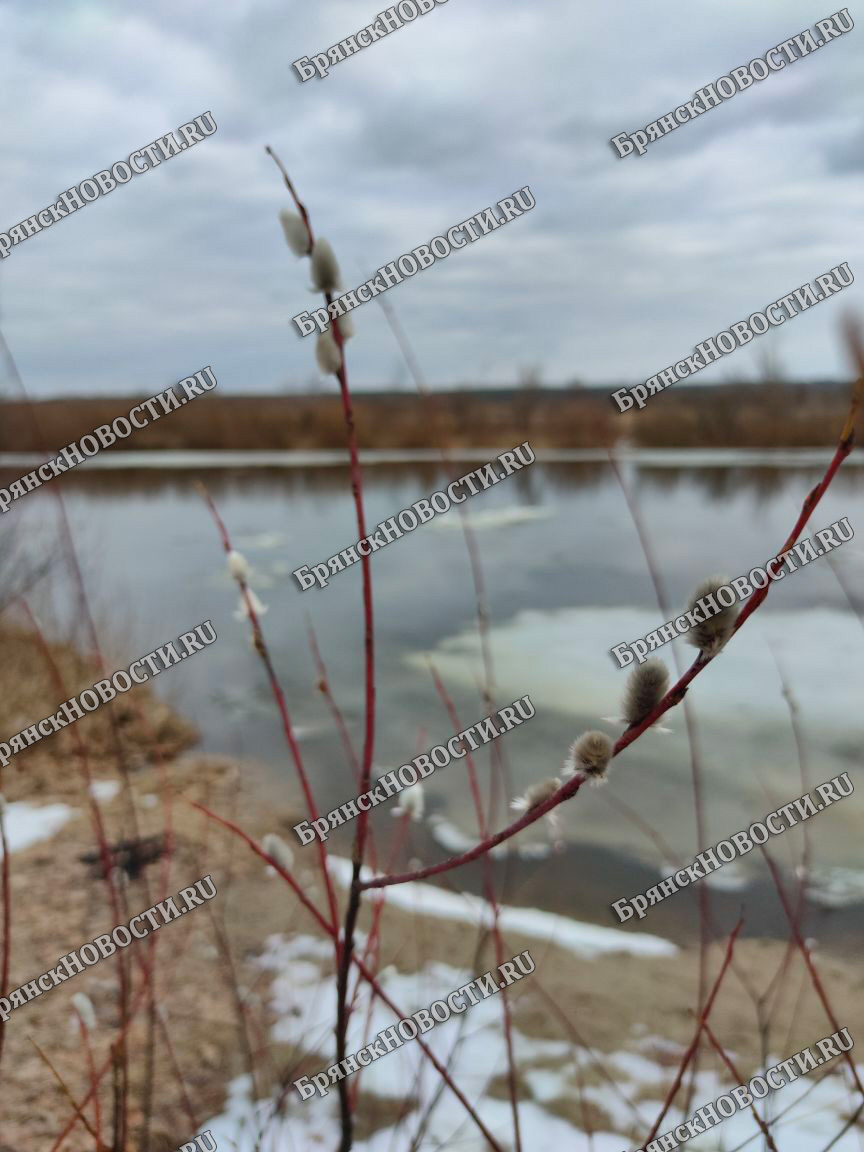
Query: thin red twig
[(739, 1079), (345, 948), (808, 960), (281, 703), (91, 1071), (489, 888), (694, 1043)]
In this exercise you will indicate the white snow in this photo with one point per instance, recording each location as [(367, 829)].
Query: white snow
[(27, 824), (105, 789), (302, 1000), (585, 940)]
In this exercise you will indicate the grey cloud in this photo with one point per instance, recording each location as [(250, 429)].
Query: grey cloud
[(621, 265)]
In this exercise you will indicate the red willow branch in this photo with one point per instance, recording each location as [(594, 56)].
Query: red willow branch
[(322, 923), (91, 1072), (325, 689), (721, 1052), (108, 1063), (808, 960), (491, 897), (676, 693), (301, 208), (281, 704), (335, 711), (499, 773), (373, 939), (100, 1147), (371, 953), (352, 909), (784, 1112), (569, 789)]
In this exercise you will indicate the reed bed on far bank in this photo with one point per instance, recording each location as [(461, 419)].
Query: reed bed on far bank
[(762, 415)]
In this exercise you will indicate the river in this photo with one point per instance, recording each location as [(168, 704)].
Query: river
[(566, 579)]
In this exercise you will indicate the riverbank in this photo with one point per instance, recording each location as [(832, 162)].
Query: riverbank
[(738, 416)]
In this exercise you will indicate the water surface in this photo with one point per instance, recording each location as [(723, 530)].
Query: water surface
[(565, 579)]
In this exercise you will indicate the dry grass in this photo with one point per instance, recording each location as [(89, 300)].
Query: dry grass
[(752, 415), (27, 694), (741, 416), (565, 419)]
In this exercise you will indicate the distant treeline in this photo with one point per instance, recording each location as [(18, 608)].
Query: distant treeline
[(750, 415)]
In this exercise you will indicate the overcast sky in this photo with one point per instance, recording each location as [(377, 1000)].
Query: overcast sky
[(620, 269)]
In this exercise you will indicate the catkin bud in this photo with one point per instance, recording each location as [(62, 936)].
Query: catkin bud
[(278, 850), (535, 795), (327, 354), (590, 754), (646, 687), (239, 568), (296, 233), (710, 636), (411, 803), (346, 326), (325, 268), (258, 608), (83, 1005)]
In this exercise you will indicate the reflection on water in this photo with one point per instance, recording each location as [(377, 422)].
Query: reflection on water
[(718, 474), (564, 583)]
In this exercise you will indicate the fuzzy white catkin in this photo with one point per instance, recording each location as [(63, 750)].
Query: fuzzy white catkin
[(325, 267), (411, 803), (84, 1007), (712, 634), (296, 233), (590, 754), (346, 326), (242, 612), (276, 848), (646, 686), (536, 795), (327, 354), (239, 568)]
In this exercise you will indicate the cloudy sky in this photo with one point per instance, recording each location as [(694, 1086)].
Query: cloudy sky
[(620, 269)]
